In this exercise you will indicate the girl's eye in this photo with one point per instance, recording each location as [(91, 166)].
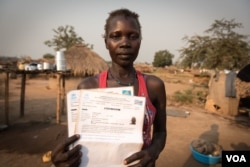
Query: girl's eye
[(115, 36), (118, 36), (134, 36)]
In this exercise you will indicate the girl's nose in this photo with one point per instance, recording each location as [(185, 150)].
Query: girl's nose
[(125, 41)]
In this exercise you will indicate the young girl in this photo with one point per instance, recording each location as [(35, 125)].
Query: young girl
[(123, 39)]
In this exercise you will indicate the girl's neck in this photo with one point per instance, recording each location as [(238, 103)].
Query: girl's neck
[(123, 76), (122, 72)]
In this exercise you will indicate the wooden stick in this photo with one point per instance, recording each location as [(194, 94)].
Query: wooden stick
[(63, 95), (22, 100), (58, 104), (7, 98)]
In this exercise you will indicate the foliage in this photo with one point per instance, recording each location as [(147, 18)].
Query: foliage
[(190, 96), (64, 38), (48, 56), (223, 49), (163, 58), (183, 97)]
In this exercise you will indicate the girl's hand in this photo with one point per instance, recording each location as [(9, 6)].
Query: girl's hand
[(143, 157), (63, 157)]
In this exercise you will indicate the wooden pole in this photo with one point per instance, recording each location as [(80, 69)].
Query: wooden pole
[(7, 98), (58, 104), (22, 100), (63, 95)]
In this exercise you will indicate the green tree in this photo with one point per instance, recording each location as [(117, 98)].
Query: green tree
[(48, 56), (163, 58), (223, 48), (65, 37)]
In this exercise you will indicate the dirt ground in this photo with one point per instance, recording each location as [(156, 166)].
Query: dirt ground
[(26, 139)]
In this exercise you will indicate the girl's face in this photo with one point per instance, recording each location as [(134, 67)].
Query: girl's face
[(123, 40)]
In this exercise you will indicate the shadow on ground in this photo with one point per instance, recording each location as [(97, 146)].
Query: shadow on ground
[(31, 138)]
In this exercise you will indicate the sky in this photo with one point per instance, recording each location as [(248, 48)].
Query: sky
[(26, 24)]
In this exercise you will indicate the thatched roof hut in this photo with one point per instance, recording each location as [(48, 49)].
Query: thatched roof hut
[(83, 61), (8, 62)]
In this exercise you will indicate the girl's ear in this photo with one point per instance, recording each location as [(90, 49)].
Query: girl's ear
[(105, 40)]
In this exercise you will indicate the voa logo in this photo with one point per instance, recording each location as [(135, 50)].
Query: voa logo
[(236, 158)]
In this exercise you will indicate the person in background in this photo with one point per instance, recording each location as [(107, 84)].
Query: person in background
[(123, 39)]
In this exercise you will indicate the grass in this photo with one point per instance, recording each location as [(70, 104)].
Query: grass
[(190, 96), (185, 96)]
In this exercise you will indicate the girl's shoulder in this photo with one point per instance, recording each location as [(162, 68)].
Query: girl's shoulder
[(152, 80), (89, 82), (155, 86)]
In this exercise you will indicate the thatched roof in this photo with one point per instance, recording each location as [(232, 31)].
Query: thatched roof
[(84, 61), (8, 62)]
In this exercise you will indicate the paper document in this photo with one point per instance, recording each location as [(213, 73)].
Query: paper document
[(110, 125), (73, 100)]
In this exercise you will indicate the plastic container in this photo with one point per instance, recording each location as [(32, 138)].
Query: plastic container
[(39, 66), (205, 159), (60, 61), (46, 66)]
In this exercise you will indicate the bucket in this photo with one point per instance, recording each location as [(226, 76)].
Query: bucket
[(60, 61), (205, 159), (46, 66)]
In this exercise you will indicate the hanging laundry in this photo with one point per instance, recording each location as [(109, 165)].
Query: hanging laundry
[(230, 84)]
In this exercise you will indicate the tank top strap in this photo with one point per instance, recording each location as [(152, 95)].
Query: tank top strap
[(142, 85), (143, 91), (103, 79)]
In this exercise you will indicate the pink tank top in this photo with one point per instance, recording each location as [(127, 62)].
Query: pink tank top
[(150, 109)]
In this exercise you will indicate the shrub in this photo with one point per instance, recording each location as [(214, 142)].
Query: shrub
[(190, 96), (183, 97)]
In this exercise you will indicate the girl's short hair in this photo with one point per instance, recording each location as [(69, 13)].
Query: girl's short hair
[(121, 12)]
